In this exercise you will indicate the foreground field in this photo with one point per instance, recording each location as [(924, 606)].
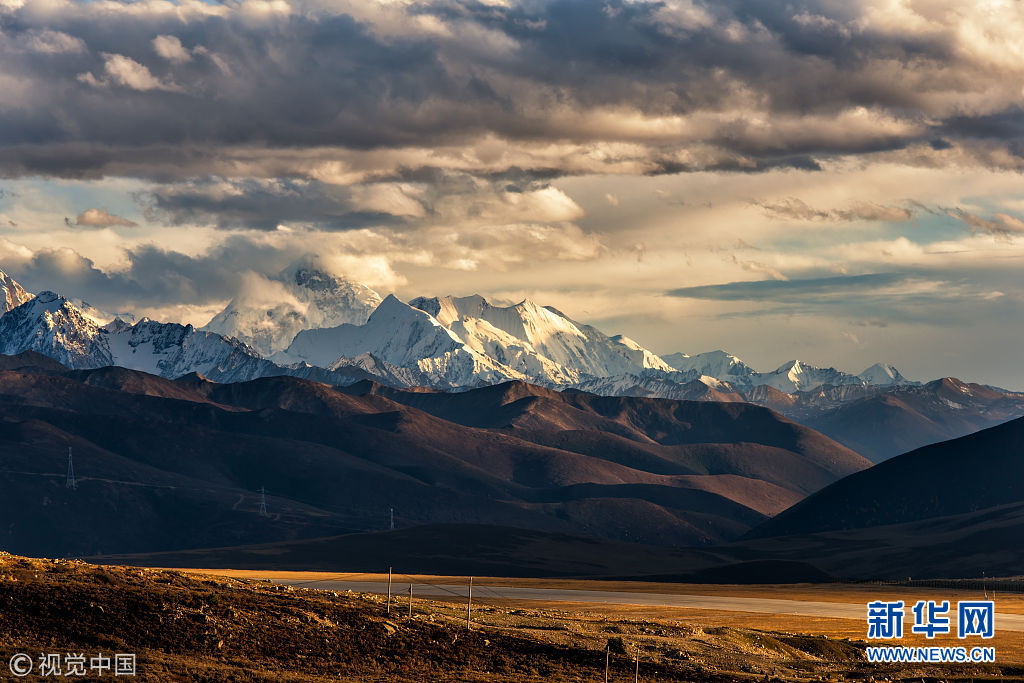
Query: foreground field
[(213, 628)]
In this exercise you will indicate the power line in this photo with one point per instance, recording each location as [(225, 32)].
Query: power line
[(263, 502), (70, 481)]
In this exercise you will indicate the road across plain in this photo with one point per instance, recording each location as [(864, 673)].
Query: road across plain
[(805, 608)]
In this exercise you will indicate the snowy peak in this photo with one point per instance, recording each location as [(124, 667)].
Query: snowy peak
[(539, 341), (14, 294), (448, 309), (172, 350), (884, 375), (53, 326), (395, 333), (269, 313), (795, 376), (638, 355), (792, 376), (717, 364)]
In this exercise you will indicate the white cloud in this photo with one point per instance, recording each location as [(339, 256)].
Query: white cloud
[(126, 72), (53, 42), (171, 49), (101, 218)]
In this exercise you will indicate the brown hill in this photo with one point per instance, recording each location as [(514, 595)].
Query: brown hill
[(885, 422), (175, 464), (975, 472)]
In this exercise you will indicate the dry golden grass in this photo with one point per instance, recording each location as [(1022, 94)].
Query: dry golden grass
[(1009, 645), (1008, 603)]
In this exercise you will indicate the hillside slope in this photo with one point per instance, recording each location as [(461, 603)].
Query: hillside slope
[(967, 474), (167, 464)]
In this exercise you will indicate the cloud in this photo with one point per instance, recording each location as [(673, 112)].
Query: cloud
[(759, 267), (851, 337), (790, 290), (171, 49), (100, 218), (50, 42), (1001, 225), (792, 208), (654, 87), (452, 200), (127, 73)]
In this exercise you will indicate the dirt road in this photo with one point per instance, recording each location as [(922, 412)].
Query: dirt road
[(839, 610)]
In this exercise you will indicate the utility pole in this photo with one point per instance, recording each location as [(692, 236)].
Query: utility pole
[(636, 656), (410, 600), (263, 502), (71, 482), (469, 604), (607, 658), (389, 591)]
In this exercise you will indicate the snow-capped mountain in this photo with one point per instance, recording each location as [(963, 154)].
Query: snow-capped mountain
[(796, 376), (306, 298), (52, 325), (465, 341), (14, 294), (788, 378), (884, 375), (720, 365), (539, 342), (442, 342), (173, 350), (403, 337)]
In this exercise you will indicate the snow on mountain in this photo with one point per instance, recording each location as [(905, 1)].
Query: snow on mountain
[(445, 342), (685, 386), (14, 294), (301, 298), (172, 350), (884, 375), (51, 325), (404, 337), (99, 316), (717, 364), (790, 377), (795, 376), (540, 342)]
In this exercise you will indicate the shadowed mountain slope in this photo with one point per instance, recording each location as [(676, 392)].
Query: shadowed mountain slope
[(964, 475), (175, 464)]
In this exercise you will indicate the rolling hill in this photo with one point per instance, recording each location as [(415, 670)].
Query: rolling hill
[(168, 464)]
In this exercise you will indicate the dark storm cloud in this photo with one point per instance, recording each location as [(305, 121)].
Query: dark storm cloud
[(796, 209), (261, 205), (153, 276), (874, 299), (792, 290), (145, 91)]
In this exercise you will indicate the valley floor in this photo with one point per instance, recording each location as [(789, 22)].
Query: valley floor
[(214, 627)]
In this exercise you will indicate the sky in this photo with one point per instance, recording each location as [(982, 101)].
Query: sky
[(832, 180)]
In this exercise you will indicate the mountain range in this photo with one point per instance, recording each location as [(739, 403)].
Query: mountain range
[(318, 326), (706, 491), (306, 298), (168, 464)]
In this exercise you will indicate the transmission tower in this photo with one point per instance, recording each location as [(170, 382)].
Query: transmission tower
[(71, 482), (263, 502)]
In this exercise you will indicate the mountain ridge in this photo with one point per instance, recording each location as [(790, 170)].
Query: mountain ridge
[(470, 343), (633, 469)]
